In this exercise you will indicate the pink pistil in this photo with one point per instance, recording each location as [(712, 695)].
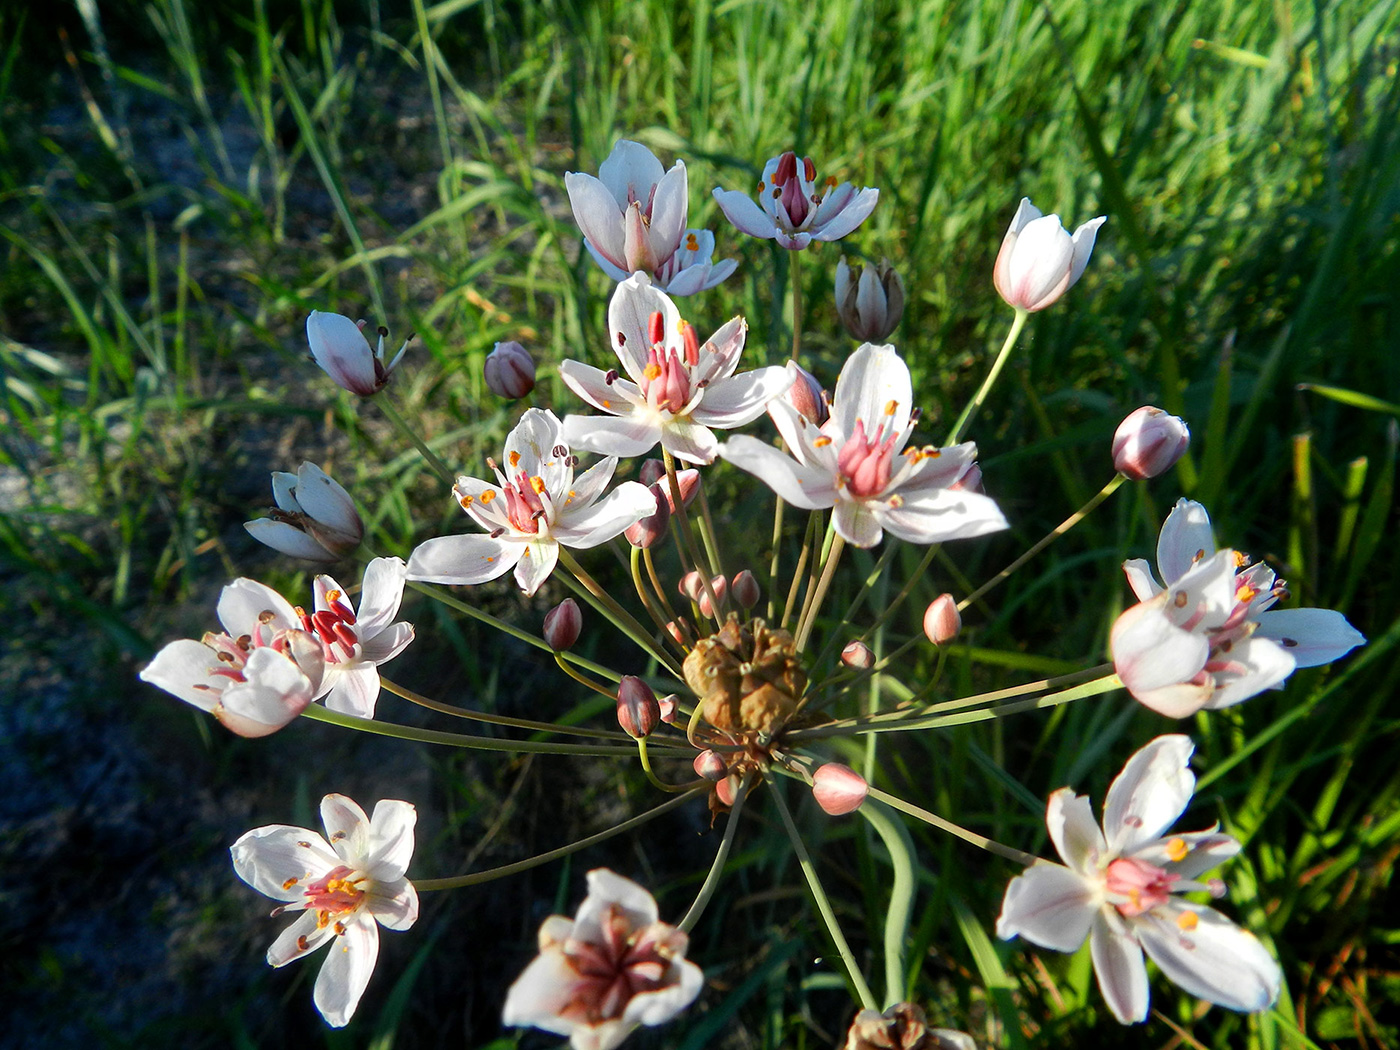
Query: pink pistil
[(1139, 885), (524, 507), (334, 893), (865, 463), (627, 963)]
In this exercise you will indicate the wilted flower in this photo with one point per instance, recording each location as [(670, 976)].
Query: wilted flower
[(346, 889), (942, 621), (1149, 442), (536, 505), (1210, 638), (1039, 261), (1118, 889), (677, 388), (606, 971), (793, 208), (510, 371), (315, 518), (562, 625), (339, 346), (903, 1026), (870, 301), (254, 678), (838, 789), (857, 462)]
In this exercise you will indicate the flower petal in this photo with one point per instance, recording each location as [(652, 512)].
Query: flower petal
[(586, 489), (394, 905), (597, 213), (380, 595), (629, 321), (342, 350), (626, 436), (684, 982), (874, 387), (542, 993), (1141, 580), (1049, 905), (536, 564), (347, 969), (741, 399), (462, 559), (288, 539), (269, 858), (300, 938), (1149, 651), (1119, 967), (390, 846), (1310, 636), (807, 487), (850, 216), (1084, 237), (1185, 539), (746, 216), (1150, 794), (607, 889), (856, 522), (323, 498), (387, 644), (668, 212), (1251, 666), (182, 668), (624, 507), (1040, 263), (690, 441), (591, 384), (354, 690), (347, 828), (630, 172), (1074, 831), (244, 606), (1215, 960), (941, 514)]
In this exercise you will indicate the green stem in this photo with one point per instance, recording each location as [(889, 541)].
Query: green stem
[(439, 467), (707, 890), (795, 587), (499, 720), (775, 561), (897, 842), (706, 569), (655, 780), (593, 593), (316, 713), (990, 845), (815, 606), (795, 275), (476, 878), (970, 411)]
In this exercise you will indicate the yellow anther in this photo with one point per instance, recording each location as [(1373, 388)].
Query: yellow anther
[(332, 596), (514, 458), (340, 929), (822, 441), (651, 371), (1177, 849), (890, 407), (1241, 559), (1245, 593), (691, 244), (488, 495), (465, 500), (896, 500), (537, 483), (323, 919), (1187, 921), (290, 883)]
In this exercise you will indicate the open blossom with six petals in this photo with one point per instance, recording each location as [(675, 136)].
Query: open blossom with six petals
[(609, 969), (793, 208), (1209, 639), (535, 505), (1119, 890), (345, 885), (675, 388), (857, 462)]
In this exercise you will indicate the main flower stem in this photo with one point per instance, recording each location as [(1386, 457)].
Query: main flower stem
[(796, 586), (476, 878), (990, 845), (430, 457), (896, 838), (814, 606), (707, 890), (1045, 541), (970, 411), (809, 871), (795, 277)]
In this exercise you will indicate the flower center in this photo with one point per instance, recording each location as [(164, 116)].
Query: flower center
[(865, 462), (335, 627), (666, 380), (524, 507), (1138, 886), (628, 962), (787, 187)]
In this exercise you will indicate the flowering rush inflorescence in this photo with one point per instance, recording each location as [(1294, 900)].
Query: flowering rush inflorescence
[(728, 694)]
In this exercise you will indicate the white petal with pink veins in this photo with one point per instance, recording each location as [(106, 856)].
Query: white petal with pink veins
[(802, 486), (353, 690), (630, 172), (244, 603), (873, 380), (746, 216), (1074, 831), (1141, 580), (300, 938), (624, 436), (1040, 265), (1049, 905), (690, 441), (857, 522), (848, 218), (462, 559), (182, 669), (1149, 651), (395, 906), (347, 828), (592, 385), (620, 510), (388, 643), (541, 993), (268, 858), (740, 399), (629, 316), (941, 514), (597, 213), (668, 212), (1251, 666)]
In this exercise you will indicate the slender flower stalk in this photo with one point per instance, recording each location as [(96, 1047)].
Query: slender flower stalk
[(969, 412)]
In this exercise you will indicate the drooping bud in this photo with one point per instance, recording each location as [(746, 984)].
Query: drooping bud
[(746, 590), (562, 625), (838, 789), (720, 586), (869, 300), (1148, 443), (858, 655), (942, 621), (510, 371), (653, 527), (711, 765), (806, 395), (638, 711), (340, 346)]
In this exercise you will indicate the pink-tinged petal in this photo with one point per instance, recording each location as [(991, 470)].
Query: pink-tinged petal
[(1040, 263), (270, 858), (833, 202), (944, 514), (182, 669), (745, 215), (1083, 240), (1310, 636), (630, 172), (462, 559), (668, 212), (321, 587), (629, 322), (1049, 905), (626, 436), (300, 938), (607, 888), (857, 523), (617, 273), (1215, 960), (1180, 700), (1149, 651), (1074, 831), (387, 644), (1185, 539), (342, 350), (1025, 212), (323, 498), (660, 1006), (620, 510), (1119, 967), (1204, 850), (741, 399), (347, 969), (390, 846), (793, 242), (347, 828), (586, 489), (598, 215), (380, 595), (934, 473), (1141, 580), (636, 241), (802, 486), (1251, 666), (848, 218), (394, 905), (1001, 272), (542, 993), (353, 690), (1204, 597), (1150, 793), (275, 693), (245, 605), (290, 540), (536, 563), (592, 385), (873, 379), (690, 441)]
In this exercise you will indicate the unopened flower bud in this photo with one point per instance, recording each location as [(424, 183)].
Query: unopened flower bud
[(638, 711), (1148, 443), (691, 585), (510, 371), (838, 789), (720, 586), (858, 655), (728, 789), (315, 518), (689, 483), (942, 621), (668, 708), (746, 590), (806, 395), (869, 300), (340, 347), (1039, 260), (711, 765), (673, 628), (562, 625), (653, 527), (652, 471)]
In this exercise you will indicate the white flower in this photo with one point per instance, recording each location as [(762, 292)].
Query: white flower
[(356, 643), (255, 677), (610, 968), (1039, 261), (315, 518), (691, 268), (1209, 639), (675, 389), (345, 890), (536, 505), (857, 463), (1118, 890), (793, 208), (339, 346)]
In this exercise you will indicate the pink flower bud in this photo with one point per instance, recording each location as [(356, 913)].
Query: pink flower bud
[(711, 765), (839, 789), (668, 708), (673, 628), (1148, 443), (510, 371), (562, 625), (746, 590), (1039, 261), (720, 586), (869, 300), (340, 347), (652, 471), (942, 621), (689, 482), (806, 395), (638, 711), (728, 789), (858, 655), (653, 527), (691, 585)]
